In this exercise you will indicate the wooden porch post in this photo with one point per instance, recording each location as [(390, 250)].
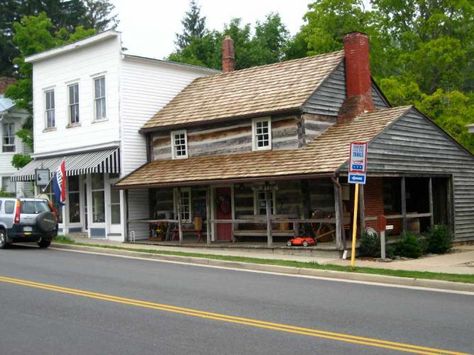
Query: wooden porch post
[(180, 223), (208, 216), (361, 209), (430, 194), (127, 223), (404, 205), (268, 208), (339, 217)]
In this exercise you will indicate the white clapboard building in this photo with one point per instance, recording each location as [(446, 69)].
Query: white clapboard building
[(89, 100)]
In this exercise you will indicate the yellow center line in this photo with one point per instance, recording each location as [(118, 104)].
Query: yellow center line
[(379, 343)]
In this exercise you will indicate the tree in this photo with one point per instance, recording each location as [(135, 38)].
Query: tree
[(431, 41), (265, 46), (96, 14), (194, 27), (34, 34)]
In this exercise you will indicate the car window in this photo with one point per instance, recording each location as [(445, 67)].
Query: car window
[(34, 207), (9, 207)]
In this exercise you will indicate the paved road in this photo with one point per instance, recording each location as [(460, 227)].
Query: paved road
[(45, 319)]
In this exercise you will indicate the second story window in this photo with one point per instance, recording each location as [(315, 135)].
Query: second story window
[(8, 137), (179, 144), (73, 103), (99, 98), (50, 115), (262, 134)]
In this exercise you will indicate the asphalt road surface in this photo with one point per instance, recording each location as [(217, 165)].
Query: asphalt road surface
[(59, 302)]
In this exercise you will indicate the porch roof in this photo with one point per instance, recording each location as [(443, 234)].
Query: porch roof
[(322, 156)]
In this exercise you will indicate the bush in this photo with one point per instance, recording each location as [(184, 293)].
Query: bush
[(410, 246), (369, 245), (440, 240)]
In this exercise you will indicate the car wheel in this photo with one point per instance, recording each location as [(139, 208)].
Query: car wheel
[(305, 243), (44, 243), (288, 243), (3, 240)]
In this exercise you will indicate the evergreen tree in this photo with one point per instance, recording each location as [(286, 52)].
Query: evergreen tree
[(194, 27)]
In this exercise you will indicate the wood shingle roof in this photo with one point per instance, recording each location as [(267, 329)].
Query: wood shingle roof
[(266, 89), (324, 155)]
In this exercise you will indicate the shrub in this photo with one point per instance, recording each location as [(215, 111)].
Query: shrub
[(409, 246), (369, 245), (440, 240)]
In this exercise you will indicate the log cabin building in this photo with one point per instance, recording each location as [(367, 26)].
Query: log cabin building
[(259, 153)]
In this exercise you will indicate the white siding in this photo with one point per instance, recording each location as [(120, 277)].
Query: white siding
[(16, 117), (146, 86), (138, 208), (77, 66)]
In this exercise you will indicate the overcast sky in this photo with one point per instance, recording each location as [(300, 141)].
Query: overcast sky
[(149, 26)]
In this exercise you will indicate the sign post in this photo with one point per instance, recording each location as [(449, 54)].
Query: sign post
[(357, 175)]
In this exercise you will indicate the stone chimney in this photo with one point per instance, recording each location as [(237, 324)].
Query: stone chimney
[(228, 55), (358, 80), (5, 82)]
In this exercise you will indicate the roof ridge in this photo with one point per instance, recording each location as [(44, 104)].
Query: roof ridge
[(283, 62)]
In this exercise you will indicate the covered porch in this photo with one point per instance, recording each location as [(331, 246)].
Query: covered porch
[(250, 212), (256, 213)]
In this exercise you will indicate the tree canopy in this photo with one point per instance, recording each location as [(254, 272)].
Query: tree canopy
[(64, 15), (263, 43)]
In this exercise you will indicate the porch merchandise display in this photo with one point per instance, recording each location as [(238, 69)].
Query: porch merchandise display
[(301, 241)]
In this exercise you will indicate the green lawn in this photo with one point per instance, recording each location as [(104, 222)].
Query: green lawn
[(288, 263)]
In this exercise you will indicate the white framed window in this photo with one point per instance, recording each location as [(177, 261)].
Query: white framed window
[(262, 133), (74, 199), (260, 207), (98, 198), (49, 109), (8, 185), (8, 138), (183, 197), (179, 144), (73, 91), (100, 108)]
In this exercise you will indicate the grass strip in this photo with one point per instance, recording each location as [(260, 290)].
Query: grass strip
[(465, 278)]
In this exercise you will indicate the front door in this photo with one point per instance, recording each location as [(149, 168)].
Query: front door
[(223, 211)]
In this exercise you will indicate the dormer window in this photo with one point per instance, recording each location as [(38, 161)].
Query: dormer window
[(179, 144), (262, 134)]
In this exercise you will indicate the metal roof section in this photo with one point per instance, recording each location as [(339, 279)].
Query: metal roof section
[(205, 70), (100, 161), (5, 104)]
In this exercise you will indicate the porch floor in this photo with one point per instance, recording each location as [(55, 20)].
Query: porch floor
[(280, 248)]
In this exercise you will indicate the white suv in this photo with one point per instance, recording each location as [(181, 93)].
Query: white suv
[(27, 220)]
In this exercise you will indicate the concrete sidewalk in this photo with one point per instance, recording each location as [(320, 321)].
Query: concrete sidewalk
[(459, 261)]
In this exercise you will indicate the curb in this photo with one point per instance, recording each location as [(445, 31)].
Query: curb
[(339, 275)]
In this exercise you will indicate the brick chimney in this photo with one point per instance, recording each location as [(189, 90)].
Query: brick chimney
[(5, 82), (228, 55), (358, 81)]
